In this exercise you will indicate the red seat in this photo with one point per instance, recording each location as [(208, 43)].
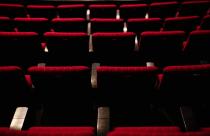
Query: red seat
[(140, 25), (65, 48), (197, 48), (14, 92), (113, 48), (133, 10), (106, 25), (205, 23), (163, 48), (187, 24), (12, 10), (102, 10), (163, 9), (47, 11), (6, 24), (39, 25), (72, 11), (15, 43), (69, 25), (191, 8), (66, 96)]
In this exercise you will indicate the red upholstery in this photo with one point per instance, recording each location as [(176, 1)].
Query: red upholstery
[(66, 86), (124, 70), (174, 83), (73, 10), (113, 48), (158, 129), (62, 45), (47, 11), (6, 24), (125, 88), (186, 24), (133, 10), (61, 69), (197, 47), (39, 25), (69, 24), (189, 8), (163, 9), (15, 43), (12, 10), (102, 10), (106, 25), (162, 48), (14, 92), (205, 22), (139, 25)]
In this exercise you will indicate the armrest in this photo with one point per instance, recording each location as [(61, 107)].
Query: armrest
[(103, 121), (19, 118), (94, 75)]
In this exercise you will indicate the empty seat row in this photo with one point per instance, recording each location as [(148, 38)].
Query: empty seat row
[(162, 9), (116, 48), (65, 97), (137, 25)]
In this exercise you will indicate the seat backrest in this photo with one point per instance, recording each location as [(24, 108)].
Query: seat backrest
[(14, 92), (186, 24), (106, 25), (162, 48), (205, 23), (69, 25), (39, 25), (197, 46), (12, 10), (67, 48), (102, 10), (163, 9), (73, 10), (185, 83), (113, 48), (190, 8), (133, 11), (140, 25), (119, 84), (6, 24), (47, 11), (19, 48)]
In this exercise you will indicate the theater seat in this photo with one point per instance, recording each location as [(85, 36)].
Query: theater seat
[(39, 25), (187, 23), (19, 48), (6, 24), (163, 9), (106, 25), (139, 25), (162, 48), (15, 92), (205, 23), (113, 48), (72, 11), (69, 25), (12, 10), (191, 8), (196, 48), (46, 11), (102, 10), (65, 95), (66, 48), (128, 92), (133, 11)]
